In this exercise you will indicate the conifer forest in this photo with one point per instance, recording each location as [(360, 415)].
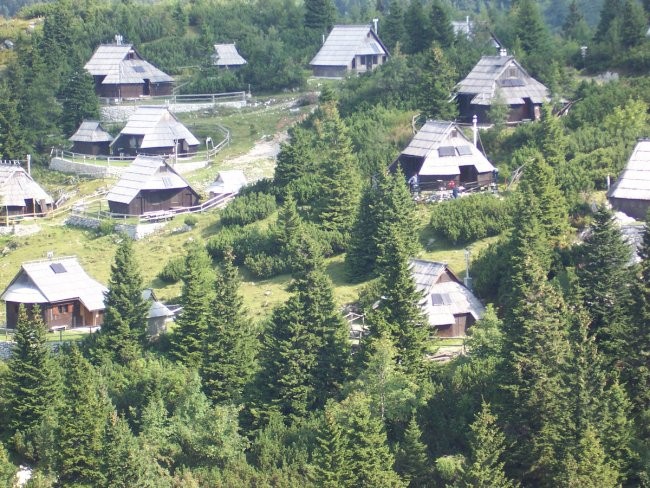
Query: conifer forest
[(549, 382)]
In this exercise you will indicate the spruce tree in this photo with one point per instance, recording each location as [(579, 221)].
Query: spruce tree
[(12, 141), (438, 80), (362, 251), (81, 424), (319, 15), (31, 387), (7, 470), (290, 232), (295, 161), (608, 15), (124, 330), (590, 468), (228, 358), (189, 336), (442, 31), (529, 27), (485, 467), (332, 455), (633, 24), (416, 24), (604, 274), (79, 101), (411, 459), (392, 30), (554, 142)]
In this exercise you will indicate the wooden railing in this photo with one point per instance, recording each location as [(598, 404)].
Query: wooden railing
[(213, 98)]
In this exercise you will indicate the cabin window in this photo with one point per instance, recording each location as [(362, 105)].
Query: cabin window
[(375, 59), (64, 308), (354, 63), (511, 72)]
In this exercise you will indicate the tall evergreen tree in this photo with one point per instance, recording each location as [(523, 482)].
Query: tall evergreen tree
[(81, 424), (438, 79), (393, 31), (412, 461), (124, 331), (591, 469), (554, 142), (608, 14), (485, 467), (319, 15), (604, 275), (79, 101), (442, 31), (7, 470), (295, 161), (228, 358), (332, 455), (31, 387), (12, 142), (416, 24), (529, 27), (196, 298), (575, 27), (634, 24), (290, 232)]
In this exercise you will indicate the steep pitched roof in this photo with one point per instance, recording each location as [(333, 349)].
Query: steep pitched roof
[(16, 186), (345, 42), (634, 181), (55, 280), (492, 75), (227, 55), (444, 148), (145, 173), (122, 64), (90, 131), (159, 127)]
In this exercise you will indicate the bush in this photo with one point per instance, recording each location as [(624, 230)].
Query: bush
[(471, 218), (173, 270), (106, 227), (246, 241), (248, 208), (264, 266), (191, 220)]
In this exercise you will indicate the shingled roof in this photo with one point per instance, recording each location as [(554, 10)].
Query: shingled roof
[(122, 64), (90, 131), (145, 173), (634, 182), (347, 41), (55, 280), (504, 75), (159, 127), (227, 55), (444, 148), (16, 186)]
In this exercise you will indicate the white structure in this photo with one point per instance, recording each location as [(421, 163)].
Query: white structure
[(228, 182)]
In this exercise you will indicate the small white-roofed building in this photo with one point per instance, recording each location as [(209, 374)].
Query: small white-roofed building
[(158, 314), (631, 192), (149, 185), (226, 56), (450, 307), (66, 295), (20, 194), (119, 71), (228, 182), (440, 153), (154, 130), (500, 79), (349, 48), (91, 138)]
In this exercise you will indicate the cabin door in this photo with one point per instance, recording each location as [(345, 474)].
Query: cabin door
[(146, 89)]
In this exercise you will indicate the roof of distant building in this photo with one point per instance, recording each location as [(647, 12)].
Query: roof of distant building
[(347, 41)]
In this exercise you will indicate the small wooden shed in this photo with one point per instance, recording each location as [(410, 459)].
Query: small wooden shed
[(631, 192), (148, 185), (226, 56), (91, 138), (20, 194), (228, 182)]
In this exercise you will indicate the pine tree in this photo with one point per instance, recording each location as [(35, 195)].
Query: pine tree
[(412, 461), (196, 298), (393, 31), (81, 424), (575, 27), (124, 330), (228, 357), (554, 142), (79, 101), (590, 469), (416, 25), (290, 232), (442, 31), (319, 14), (633, 24), (12, 142), (487, 445), (295, 161), (608, 14), (332, 454), (362, 251), (604, 275), (438, 79), (30, 388), (529, 27)]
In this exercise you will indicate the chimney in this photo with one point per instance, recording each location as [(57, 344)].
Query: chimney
[(29, 164), (323, 38), (475, 129), (118, 39), (375, 23), (503, 52)]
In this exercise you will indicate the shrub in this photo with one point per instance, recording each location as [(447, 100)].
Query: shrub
[(190, 220), (173, 270), (264, 266), (470, 218), (245, 241), (248, 208), (106, 227)]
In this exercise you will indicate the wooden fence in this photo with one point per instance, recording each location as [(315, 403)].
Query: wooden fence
[(198, 98)]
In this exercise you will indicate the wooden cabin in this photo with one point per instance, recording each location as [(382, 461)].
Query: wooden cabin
[(450, 306), (20, 194), (154, 130), (500, 79), (349, 49), (228, 182), (65, 294), (226, 56), (440, 153), (630, 193), (119, 71), (91, 139), (148, 185)]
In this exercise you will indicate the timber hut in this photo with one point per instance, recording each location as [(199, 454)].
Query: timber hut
[(500, 79), (20, 194), (228, 182), (154, 130), (91, 138), (149, 185), (119, 71), (440, 153), (449, 305), (66, 295), (226, 56), (349, 49), (631, 192)]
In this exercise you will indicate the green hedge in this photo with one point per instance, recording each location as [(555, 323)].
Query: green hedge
[(248, 208)]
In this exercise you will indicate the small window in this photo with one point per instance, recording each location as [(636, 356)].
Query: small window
[(440, 299), (464, 150), (58, 268), (375, 59), (446, 151)]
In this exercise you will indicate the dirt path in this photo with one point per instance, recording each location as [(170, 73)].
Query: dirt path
[(259, 162)]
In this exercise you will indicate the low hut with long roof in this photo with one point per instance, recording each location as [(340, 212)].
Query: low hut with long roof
[(630, 193), (150, 185), (154, 130), (20, 194), (91, 138), (226, 56)]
